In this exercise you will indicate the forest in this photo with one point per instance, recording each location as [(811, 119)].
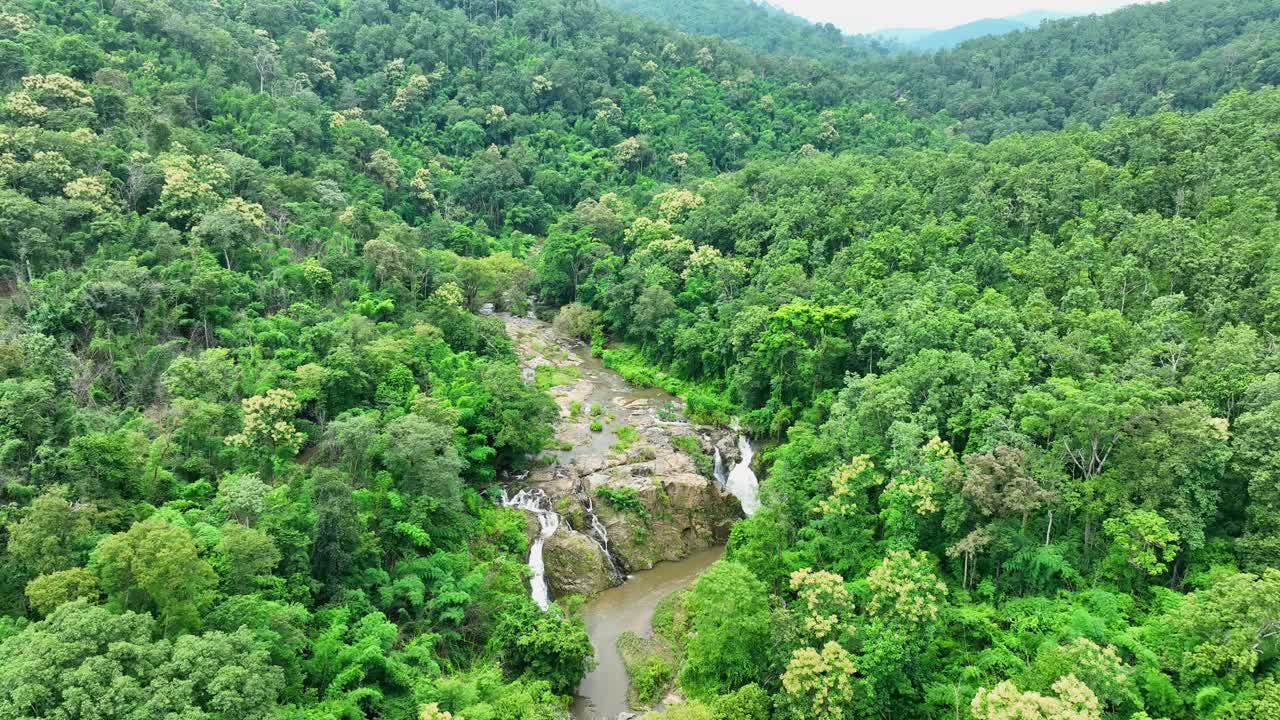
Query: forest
[(1002, 320)]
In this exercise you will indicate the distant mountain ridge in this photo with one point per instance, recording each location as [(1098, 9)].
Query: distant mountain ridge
[(929, 40)]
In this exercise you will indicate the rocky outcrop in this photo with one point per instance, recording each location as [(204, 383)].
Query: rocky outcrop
[(675, 511), (626, 471), (575, 564)]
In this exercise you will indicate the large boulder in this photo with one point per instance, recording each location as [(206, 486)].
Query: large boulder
[(574, 563), (677, 513)]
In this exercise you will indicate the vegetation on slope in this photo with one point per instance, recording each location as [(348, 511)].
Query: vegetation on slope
[(757, 26), (1023, 395)]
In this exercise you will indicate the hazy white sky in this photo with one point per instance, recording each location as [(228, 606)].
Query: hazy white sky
[(863, 16)]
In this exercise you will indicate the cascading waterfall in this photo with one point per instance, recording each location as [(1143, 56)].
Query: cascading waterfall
[(600, 534), (718, 472), (536, 501), (742, 482)]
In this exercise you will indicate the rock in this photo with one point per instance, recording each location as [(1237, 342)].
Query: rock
[(727, 444), (588, 464), (531, 526), (682, 512), (575, 564), (678, 510)]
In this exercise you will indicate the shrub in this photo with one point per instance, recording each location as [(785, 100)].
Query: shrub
[(627, 436), (623, 499), (576, 320)]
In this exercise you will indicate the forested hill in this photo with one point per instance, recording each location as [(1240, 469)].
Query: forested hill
[(1020, 402), (1181, 54), (757, 26), (250, 424)]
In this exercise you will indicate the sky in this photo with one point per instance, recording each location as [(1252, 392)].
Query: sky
[(866, 16)]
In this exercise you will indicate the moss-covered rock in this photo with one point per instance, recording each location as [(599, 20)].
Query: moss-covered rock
[(574, 563), (678, 513)]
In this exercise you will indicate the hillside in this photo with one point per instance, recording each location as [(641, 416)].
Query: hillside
[(1137, 60), (1018, 395), (931, 40), (1182, 54), (757, 26)]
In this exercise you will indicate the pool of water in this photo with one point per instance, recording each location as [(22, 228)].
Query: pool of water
[(603, 692)]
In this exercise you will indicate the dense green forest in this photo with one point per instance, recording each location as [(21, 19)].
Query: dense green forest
[(1019, 396), (1030, 384)]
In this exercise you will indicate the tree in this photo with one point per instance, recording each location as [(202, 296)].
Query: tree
[(547, 645), (819, 678), (243, 497), (1256, 461), (423, 458), (337, 529), (1142, 540), (109, 466), (47, 592), (230, 675), (156, 566), (50, 536), (1223, 367), (246, 557), (825, 601), (905, 589), (998, 484), (353, 659), (749, 702), (87, 661), (577, 321), (730, 624), (820, 682), (353, 437), (268, 433), (211, 375), (1087, 420), (1226, 628), (231, 229), (1073, 701)]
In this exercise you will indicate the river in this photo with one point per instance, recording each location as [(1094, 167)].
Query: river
[(628, 607)]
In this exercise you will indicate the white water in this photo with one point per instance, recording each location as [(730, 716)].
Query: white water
[(719, 470), (600, 534), (536, 502), (742, 482)]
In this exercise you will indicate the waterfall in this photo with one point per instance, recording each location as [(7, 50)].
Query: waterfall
[(600, 534), (742, 482), (535, 501), (718, 472)]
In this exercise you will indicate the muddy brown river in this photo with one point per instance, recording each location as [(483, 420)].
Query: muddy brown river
[(603, 692)]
